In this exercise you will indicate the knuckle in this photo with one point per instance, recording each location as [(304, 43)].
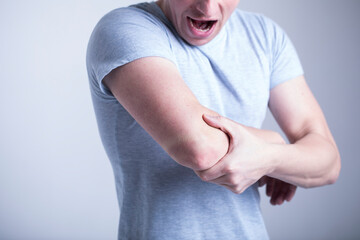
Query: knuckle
[(232, 180), (229, 169), (238, 190), (204, 177)]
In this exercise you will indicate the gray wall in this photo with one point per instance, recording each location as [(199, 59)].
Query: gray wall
[(55, 179)]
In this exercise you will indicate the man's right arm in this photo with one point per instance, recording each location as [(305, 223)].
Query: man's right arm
[(152, 91)]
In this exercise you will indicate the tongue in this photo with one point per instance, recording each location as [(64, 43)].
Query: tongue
[(201, 24)]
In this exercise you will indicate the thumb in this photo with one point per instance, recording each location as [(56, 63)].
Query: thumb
[(262, 181), (222, 123)]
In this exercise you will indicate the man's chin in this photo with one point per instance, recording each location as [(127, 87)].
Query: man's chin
[(198, 42)]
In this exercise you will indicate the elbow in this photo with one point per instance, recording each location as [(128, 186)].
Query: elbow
[(333, 174), (200, 149), (205, 158), (328, 178), (198, 156), (335, 171), (333, 178)]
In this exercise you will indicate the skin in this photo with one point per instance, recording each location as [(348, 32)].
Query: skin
[(219, 150), (178, 12), (311, 159), (170, 113)]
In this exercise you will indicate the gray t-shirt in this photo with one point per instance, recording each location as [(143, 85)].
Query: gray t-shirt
[(232, 75)]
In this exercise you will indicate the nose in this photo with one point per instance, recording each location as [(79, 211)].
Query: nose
[(206, 7)]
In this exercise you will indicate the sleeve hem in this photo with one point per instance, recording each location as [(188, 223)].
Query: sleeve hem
[(101, 75)]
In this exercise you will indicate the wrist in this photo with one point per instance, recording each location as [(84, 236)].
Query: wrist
[(275, 157)]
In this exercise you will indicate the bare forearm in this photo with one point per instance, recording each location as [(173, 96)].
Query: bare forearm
[(312, 158), (214, 145), (267, 135), (309, 162)]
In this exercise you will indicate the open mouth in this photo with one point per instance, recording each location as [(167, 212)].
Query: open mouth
[(202, 26)]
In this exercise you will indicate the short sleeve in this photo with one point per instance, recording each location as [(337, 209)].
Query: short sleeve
[(284, 60), (122, 36)]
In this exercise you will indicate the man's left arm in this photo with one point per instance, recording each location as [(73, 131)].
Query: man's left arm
[(311, 159)]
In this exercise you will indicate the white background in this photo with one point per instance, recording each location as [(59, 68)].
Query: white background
[(55, 180)]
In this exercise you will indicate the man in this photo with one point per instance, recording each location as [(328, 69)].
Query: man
[(162, 75)]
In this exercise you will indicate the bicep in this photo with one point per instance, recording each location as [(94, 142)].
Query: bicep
[(146, 90), (152, 91), (296, 110)]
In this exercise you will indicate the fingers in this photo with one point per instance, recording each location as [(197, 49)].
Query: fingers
[(270, 187), (233, 182), (281, 192), (213, 173), (226, 164), (278, 191), (235, 188), (291, 193), (262, 181), (215, 121), (240, 167), (224, 124)]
